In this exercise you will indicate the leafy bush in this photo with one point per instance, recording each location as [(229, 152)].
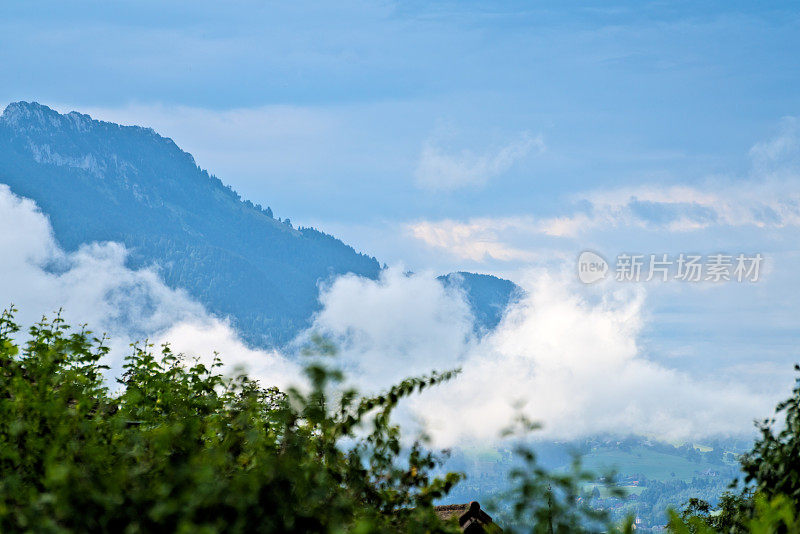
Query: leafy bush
[(183, 449), (179, 447), (770, 497), (545, 502)]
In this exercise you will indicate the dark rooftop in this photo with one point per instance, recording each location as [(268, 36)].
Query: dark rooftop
[(469, 516)]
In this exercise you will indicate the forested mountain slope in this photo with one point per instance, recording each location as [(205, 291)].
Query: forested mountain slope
[(99, 181)]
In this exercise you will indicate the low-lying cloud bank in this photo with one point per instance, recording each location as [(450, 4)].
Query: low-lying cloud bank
[(94, 287), (572, 363)]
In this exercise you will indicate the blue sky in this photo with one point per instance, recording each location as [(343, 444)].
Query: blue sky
[(469, 135), (618, 93)]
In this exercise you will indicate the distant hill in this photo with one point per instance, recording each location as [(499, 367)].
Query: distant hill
[(488, 296), (99, 181)]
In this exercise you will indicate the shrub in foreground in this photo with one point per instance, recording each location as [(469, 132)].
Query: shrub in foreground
[(181, 448)]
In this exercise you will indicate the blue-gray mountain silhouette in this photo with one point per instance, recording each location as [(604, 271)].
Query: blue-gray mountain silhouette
[(488, 296), (99, 181)]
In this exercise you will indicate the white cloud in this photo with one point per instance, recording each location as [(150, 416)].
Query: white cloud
[(577, 365), (768, 199), (685, 208), (678, 209), (476, 239), (94, 287), (205, 336), (400, 325), (578, 368), (439, 169)]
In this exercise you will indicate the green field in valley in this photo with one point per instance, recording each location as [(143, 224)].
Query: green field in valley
[(652, 464)]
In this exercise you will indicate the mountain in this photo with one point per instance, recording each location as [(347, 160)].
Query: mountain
[(99, 181), (488, 296)]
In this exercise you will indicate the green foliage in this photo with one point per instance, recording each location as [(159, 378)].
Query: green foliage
[(183, 449), (758, 514), (552, 502), (769, 501), (777, 514), (730, 516), (689, 524), (178, 447), (773, 466)]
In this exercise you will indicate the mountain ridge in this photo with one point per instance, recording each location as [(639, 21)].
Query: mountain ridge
[(100, 181)]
